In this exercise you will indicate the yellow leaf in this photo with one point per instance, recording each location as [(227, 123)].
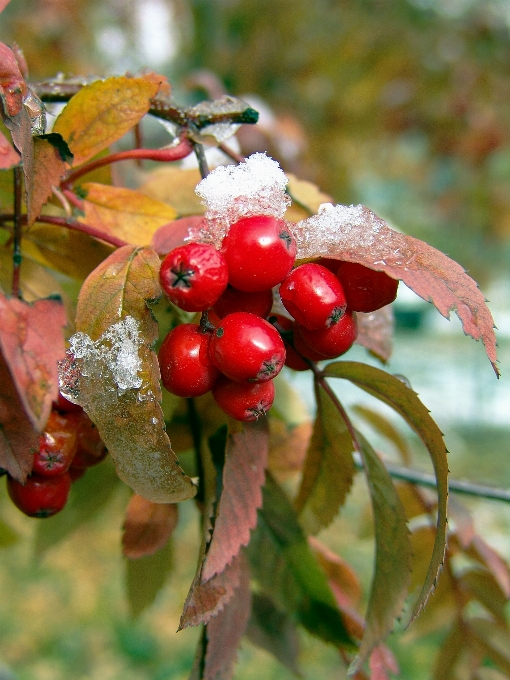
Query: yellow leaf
[(102, 112), (125, 213), (306, 199), (176, 187)]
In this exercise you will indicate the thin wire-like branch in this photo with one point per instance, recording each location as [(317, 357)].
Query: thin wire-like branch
[(228, 151), (202, 160), (17, 221)]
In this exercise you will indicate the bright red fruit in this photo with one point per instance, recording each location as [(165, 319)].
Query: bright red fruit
[(331, 342), (194, 276), (244, 401), (40, 496), (302, 349), (292, 358), (365, 289), (187, 369), (258, 302), (57, 445), (314, 296), (246, 347), (260, 252), (90, 447)]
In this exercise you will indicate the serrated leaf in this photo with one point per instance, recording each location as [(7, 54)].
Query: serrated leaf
[(243, 476), (328, 470), (49, 168), (273, 630), (386, 428), (121, 391), (176, 187), (393, 555), (32, 342), (356, 234), (404, 401), (286, 569), (147, 526), (125, 213), (375, 332), (102, 112), (146, 576), (9, 157)]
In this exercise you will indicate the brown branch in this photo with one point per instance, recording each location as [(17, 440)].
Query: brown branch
[(17, 221)]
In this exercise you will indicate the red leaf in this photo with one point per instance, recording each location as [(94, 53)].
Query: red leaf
[(12, 84), (171, 235), (375, 332), (3, 4), (18, 439), (356, 234), (32, 342), (147, 526), (381, 661), (8, 155), (243, 476)]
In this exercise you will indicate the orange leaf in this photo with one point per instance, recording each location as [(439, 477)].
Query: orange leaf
[(356, 234), (124, 213), (32, 342), (8, 155), (171, 235), (147, 526), (103, 112), (49, 168)]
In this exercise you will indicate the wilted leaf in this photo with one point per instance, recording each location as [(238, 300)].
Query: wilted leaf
[(356, 234), (102, 112), (173, 234), (375, 332), (273, 630), (175, 187), (404, 401), (243, 476), (328, 470), (146, 576), (121, 390), (8, 155), (147, 526), (286, 569), (127, 214), (392, 569), (50, 161), (32, 342)]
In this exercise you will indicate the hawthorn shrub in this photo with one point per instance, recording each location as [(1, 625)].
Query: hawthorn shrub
[(88, 363)]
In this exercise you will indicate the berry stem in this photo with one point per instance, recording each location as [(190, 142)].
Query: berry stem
[(202, 161)]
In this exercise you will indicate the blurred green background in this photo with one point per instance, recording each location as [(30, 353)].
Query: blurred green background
[(402, 105)]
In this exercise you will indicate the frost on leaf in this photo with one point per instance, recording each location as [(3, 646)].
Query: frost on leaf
[(255, 187)]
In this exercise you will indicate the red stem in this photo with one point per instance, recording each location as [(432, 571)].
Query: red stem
[(73, 199), (167, 154)]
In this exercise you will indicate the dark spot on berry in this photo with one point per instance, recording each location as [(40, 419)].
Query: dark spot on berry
[(335, 316), (285, 236), (182, 276)]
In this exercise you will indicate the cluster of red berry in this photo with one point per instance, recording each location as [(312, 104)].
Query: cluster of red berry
[(238, 348), (68, 446)]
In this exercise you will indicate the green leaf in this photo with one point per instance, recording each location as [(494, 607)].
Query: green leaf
[(146, 576), (328, 470), (404, 401), (393, 556), (287, 570)]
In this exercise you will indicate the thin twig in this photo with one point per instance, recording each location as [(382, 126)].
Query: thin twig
[(228, 151), (202, 160), (17, 221)]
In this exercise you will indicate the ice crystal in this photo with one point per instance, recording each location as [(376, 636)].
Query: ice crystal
[(255, 187), (351, 230)]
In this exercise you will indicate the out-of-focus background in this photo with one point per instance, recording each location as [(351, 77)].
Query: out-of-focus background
[(401, 105)]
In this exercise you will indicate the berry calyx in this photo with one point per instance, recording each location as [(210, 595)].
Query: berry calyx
[(331, 342), (259, 251), (258, 302), (40, 496), (244, 401), (187, 369), (313, 296), (194, 276), (365, 289), (247, 348), (57, 445)]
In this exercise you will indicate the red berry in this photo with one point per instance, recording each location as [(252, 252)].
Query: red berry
[(40, 496), (314, 296), (244, 401), (303, 349), (246, 348), (258, 302), (334, 341), (187, 369), (194, 276), (57, 445), (365, 289), (292, 358), (260, 252), (90, 447), (65, 406)]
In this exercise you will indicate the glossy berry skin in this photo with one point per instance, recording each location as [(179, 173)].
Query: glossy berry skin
[(247, 348), (365, 289), (302, 349), (40, 496), (187, 369), (57, 445), (90, 449), (232, 300), (244, 401), (313, 296), (334, 341), (292, 358), (260, 252), (194, 276)]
